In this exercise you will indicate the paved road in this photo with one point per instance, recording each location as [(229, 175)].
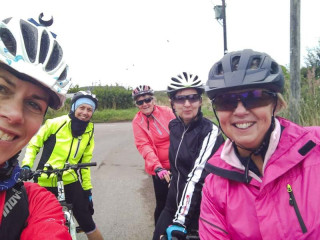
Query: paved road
[(123, 194)]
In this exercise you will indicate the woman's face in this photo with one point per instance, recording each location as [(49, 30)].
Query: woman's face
[(187, 109), (84, 112), (147, 104), (22, 108), (247, 127)]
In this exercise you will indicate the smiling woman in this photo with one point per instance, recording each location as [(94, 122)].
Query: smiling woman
[(151, 135), (22, 108), (69, 138), (28, 86), (261, 181)]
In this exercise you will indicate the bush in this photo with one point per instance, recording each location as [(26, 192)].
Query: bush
[(114, 97)]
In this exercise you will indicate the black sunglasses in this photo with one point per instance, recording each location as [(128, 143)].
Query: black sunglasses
[(146, 100), (249, 99), (181, 99)]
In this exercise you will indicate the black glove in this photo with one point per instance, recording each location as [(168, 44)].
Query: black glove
[(88, 193), (25, 173)]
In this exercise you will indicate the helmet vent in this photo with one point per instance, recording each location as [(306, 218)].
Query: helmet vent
[(30, 38), (63, 75), (7, 20), (44, 47), (186, 75), (255, 63), (219, 69), (55, 57), (235, 63), (274, 68), (8, 40), (175, 80)]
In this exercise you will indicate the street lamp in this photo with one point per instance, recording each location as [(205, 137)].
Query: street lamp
[(220, 13)]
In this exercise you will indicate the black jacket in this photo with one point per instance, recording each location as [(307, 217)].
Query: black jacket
[(190, 148)]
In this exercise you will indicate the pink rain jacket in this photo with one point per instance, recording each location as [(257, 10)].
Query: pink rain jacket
[(263, 208), (146, 142), (46, 220)]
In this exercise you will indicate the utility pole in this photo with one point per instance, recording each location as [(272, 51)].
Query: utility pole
[(220, 13), (224, 27), (294, 106)]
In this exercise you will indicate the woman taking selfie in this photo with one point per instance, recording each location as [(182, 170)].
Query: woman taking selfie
[(32, 78), (261, 182)]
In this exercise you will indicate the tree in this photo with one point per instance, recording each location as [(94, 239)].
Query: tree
[(74, 89), (312, 60)]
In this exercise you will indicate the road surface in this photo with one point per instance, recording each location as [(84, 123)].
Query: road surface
[(123, 194)]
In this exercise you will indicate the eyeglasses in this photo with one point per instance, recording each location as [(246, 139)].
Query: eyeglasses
[(249, 99), (146, 100), (181, 99)]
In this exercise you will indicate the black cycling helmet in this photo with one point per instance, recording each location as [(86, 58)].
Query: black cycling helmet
[(244, 69), (85, 94), (183, 81)]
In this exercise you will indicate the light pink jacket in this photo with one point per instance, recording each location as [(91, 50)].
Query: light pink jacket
[(262, 209), (145, 142)]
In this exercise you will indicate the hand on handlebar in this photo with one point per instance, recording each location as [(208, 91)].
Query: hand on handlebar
[(163, 174), (26, 173), (176, 230)]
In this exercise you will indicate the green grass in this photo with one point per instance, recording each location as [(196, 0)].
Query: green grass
[(112, 115)]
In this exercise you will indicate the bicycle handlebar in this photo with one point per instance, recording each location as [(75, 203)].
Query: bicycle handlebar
[(82, 165), (57, 171)]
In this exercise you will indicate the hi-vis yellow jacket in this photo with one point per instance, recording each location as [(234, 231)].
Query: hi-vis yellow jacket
[(59, 147)]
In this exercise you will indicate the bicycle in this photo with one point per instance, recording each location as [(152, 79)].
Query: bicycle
[(67, 208)]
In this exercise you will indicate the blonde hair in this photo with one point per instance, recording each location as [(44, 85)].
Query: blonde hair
[(281, 104)]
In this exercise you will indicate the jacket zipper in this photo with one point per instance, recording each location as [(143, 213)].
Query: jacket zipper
[(175, 163), (292, 202), (78, 146)]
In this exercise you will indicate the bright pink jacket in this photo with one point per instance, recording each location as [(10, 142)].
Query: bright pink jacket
[(262, 209), (145, 141), (46, 220)]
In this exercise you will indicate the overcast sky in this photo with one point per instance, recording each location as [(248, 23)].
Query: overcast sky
[(133, 42)]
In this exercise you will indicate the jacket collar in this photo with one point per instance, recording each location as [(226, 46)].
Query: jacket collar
[(192, 125), (289, 144), (229, 156)]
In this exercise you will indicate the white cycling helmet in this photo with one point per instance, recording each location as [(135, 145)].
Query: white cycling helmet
[(30, 51), (183, 81)]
